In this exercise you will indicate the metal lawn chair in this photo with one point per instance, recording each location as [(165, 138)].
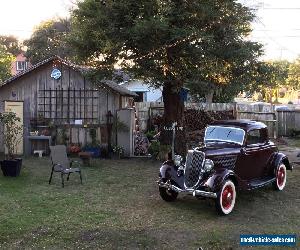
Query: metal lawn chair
[(61, 163)]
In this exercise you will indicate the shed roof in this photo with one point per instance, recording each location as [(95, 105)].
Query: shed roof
[(116, 87), (80, 68)]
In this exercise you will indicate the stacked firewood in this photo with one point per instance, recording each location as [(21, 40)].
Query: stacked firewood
[(157, 120), (196, 121)]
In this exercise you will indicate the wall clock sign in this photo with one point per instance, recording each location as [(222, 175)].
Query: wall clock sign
[(56, 74)]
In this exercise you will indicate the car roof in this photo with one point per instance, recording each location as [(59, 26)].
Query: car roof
[(243, 124)]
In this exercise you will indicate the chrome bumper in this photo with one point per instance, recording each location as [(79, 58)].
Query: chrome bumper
[(194, 192)]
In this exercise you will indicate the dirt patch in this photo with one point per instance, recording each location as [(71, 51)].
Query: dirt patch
[(35, 234), (290, 148), (112, 238), (159, 238), (292, 154)]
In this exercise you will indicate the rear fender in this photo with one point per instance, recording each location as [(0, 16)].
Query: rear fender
[(280, 157)]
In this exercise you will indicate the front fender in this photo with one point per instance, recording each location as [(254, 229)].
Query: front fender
[(280, 157), (216, 180), (165, 171), (169, 171)]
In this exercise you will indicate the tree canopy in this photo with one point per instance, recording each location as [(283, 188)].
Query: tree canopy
[(11, 44), (48, 39), (293, 79), (170, 43), (6, 60), (198, 42)]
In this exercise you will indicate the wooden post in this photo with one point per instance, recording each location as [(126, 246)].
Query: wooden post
[(50, 103), (173, 139), (68, 106), (74, 103), (84, 100), (61, 105), (44, 108), (235, 110), (80, 115), (92, 92)]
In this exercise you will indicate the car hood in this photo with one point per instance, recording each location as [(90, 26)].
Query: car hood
[(218, 149)]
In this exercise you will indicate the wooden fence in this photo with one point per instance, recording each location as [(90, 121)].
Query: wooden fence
[(288, 120), (280, 123), (145, 111), (269, 118)]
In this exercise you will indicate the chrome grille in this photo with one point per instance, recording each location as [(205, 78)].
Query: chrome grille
[(226, 161), (193, 166)]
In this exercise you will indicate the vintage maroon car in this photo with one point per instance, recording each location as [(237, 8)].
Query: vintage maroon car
[(236, 155)]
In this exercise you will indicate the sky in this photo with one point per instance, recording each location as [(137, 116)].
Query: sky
[(19, 17), (277, 25)]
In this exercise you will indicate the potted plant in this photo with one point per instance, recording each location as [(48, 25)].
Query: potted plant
[(118, 151), (94, 146), (62, 136), (11, 131), (74, 149)]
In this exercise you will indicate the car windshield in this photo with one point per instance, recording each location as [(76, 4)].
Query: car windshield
[(224, 134)]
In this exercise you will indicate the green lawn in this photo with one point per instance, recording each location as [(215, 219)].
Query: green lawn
[(118, 207)]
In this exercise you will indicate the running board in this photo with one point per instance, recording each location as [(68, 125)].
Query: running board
[(261, 182)]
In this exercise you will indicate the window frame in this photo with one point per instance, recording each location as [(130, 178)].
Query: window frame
[(263, 138), (229, 127), (24, 65)]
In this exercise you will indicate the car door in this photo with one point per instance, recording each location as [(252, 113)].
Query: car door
[(267, 149), (254, 156)]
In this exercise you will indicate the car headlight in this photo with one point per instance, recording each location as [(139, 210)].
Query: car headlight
[(208, 165), (177, 160)]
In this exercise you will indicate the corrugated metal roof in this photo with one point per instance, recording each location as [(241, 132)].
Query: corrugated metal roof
[(82, 69)]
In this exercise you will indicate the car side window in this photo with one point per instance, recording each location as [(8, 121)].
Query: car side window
[(256, 136)]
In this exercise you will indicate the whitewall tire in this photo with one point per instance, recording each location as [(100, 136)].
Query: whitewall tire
[(280, 182), (226, 198)]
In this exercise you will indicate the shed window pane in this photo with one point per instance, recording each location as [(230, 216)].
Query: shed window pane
[(21, 65)]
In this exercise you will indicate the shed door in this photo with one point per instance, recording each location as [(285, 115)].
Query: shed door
[(16, 107)]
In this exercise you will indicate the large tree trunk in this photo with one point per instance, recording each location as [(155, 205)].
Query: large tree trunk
[(173, 112)]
